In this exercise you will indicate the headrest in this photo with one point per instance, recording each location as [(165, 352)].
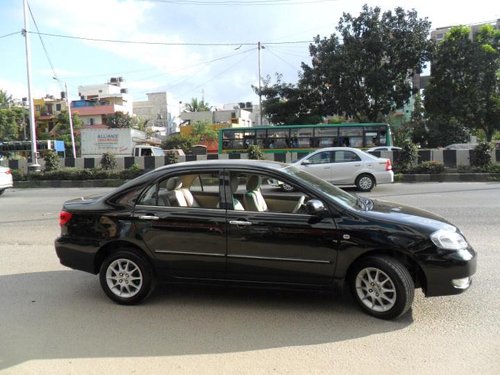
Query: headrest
[(174, 183), (234, 183), (253, 183)]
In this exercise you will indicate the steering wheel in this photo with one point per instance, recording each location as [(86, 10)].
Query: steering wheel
[(299, 204)]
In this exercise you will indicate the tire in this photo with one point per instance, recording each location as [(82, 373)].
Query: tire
[(287, 188), (126, 277), (382, 287), (365, 182), (2, 191)]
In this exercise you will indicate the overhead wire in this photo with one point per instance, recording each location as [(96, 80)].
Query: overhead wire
[(234, 44), (10, 34), (239, 2), (54, 74)]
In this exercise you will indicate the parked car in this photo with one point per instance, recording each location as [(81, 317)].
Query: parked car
[(384, 148), (5, 179), (220, 221), (346, 166), (461, 146)]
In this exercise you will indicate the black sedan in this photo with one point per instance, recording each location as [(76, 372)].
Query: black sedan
[(226, 222)]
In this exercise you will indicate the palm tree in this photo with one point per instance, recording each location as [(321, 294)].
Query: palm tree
[(197, 106)]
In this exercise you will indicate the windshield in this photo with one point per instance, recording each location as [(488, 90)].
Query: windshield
[(338, 195)]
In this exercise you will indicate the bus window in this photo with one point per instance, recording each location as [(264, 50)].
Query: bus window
[(304, 137), (261, 138), (326, 137), (278, 138), (371, 139), (351, 136)]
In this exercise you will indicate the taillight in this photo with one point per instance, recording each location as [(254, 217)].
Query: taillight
[(64, 217), (8, 171), (388, 165)]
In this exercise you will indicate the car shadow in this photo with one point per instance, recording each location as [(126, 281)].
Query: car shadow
[(65, 314)]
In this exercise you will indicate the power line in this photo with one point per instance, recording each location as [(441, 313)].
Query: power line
[(10, 34), (54, 74), (236, 44), (240, 2)]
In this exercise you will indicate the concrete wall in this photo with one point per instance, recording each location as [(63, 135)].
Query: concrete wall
[(450, 158)]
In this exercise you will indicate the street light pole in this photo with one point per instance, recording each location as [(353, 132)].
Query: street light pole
[(34, 152), (68, 103), (259, 46)]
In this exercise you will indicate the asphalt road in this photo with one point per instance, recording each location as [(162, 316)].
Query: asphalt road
[(58, 321)]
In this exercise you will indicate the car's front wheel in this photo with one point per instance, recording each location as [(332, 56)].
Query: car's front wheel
[(365, 182), (382, 287), (126, 277)]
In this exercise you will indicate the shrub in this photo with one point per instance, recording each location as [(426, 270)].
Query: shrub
[(255, 152), (481, 155), (108, 161), (494, 168), (171, 157), (428, 167), (52, 162), (18, 175), (133, 172), (408, 157)]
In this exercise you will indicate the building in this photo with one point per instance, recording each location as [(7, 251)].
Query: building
[(46, 111), (154, 112), (99, 101), (440, 32), (231, 117)]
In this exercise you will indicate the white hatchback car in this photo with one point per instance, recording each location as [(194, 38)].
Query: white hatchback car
[(346, 166), (5, 179)]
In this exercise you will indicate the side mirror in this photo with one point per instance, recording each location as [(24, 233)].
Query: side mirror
[(316, 207), (306, 162)]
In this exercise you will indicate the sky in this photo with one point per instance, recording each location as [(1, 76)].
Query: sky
[(204, 49)]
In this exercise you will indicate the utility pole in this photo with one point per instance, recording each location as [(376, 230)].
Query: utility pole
[(34, 167)]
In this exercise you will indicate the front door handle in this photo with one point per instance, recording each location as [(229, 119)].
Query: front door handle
[(240, 222)]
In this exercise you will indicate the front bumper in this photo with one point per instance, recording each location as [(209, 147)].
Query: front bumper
[(449, 272)]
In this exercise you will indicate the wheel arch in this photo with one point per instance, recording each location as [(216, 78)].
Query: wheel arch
[(416, 272), (111, 247), (366, 173)]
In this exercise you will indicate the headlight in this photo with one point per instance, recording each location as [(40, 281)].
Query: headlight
[(449, 240)]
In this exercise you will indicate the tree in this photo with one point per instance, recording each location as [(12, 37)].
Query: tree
[(62, 130), (368, 74), (5, 99), (197, 106), (121, 120), (202, 131), (12, 121), (286, 103), (463, 94)]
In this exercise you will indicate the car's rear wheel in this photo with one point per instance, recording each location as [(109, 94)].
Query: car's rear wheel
[(365, 182), (2, 191), (126, 277), (382, 287)]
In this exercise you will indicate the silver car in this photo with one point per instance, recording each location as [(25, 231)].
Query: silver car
[(346, 166), (5, 179)]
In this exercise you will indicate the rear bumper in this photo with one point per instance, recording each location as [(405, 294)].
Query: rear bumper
[(78, 257), (386, 177)]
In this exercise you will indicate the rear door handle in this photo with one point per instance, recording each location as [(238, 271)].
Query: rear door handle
[(240, 222), (148, 217)]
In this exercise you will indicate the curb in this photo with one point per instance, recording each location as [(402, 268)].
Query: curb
[(448, 177)]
